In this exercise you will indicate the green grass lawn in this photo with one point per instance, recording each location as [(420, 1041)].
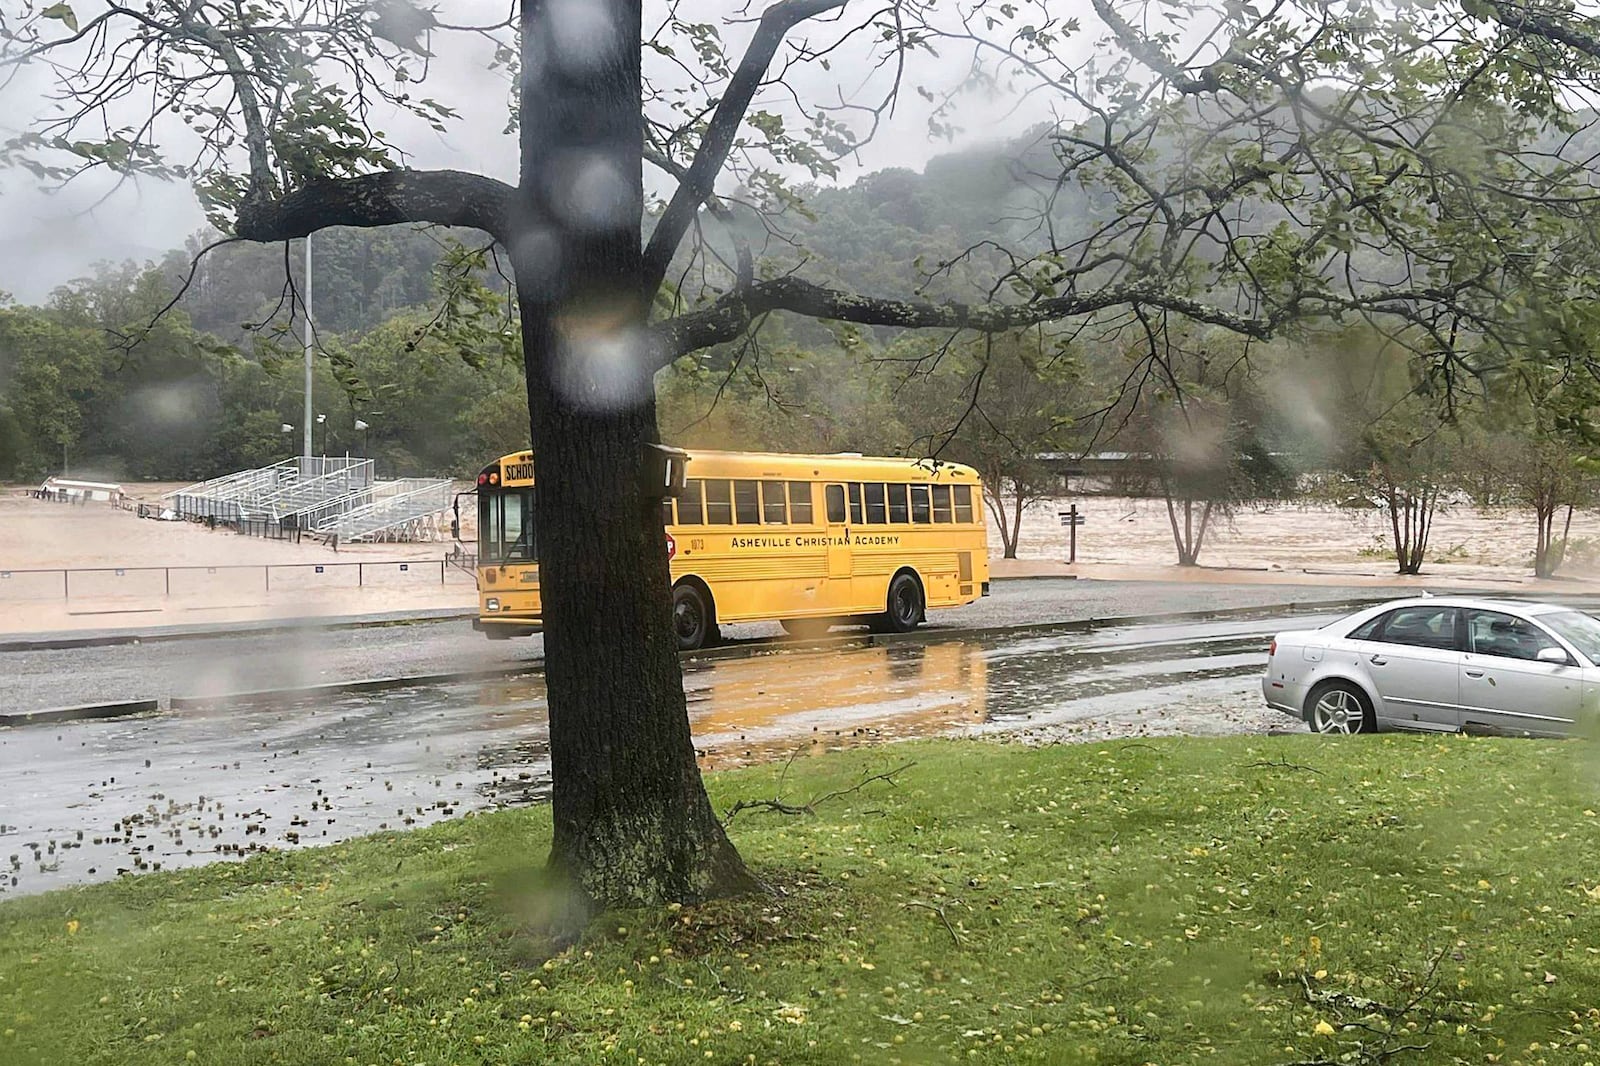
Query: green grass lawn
[(1246, 900)]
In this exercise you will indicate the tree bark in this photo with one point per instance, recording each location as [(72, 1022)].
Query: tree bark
[(633, 824), (1566, 538), (1200, 537), (997, 507), (1016, 520), (1544, 516), (1172, 520)]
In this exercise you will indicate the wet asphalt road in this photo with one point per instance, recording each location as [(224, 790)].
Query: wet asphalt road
[(91, 800), (41, 679)]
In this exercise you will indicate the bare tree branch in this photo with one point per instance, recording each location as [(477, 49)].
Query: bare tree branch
[(445, 197), (700, 180), (727, 318)]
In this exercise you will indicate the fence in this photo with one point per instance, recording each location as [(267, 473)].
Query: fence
[(153, 581)]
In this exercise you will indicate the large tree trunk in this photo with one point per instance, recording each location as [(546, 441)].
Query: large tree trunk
[(633, 825)]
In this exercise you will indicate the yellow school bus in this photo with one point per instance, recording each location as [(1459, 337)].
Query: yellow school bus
[(810, 541)]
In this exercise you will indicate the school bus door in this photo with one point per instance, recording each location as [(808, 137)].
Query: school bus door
[(838, 544)]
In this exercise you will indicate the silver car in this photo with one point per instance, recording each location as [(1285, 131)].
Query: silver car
[(1442, 664)]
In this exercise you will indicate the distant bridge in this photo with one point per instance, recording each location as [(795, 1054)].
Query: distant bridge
[(1111, 471)]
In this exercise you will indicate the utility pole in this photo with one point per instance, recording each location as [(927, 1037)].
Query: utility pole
[(307, 422)]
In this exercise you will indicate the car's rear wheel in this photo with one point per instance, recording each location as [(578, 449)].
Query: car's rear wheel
[(1339, 708)]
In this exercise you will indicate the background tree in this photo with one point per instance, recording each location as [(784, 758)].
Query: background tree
[(1196, 418), (1001, 404), (1539, 445), (1402, 447), (49, 375)]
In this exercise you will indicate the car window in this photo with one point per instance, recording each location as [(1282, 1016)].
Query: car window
[(1493, 633), (1369, 630), (1582, 630), (1420, 627)]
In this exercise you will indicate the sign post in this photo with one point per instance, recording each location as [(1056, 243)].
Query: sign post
[(1072, 520)]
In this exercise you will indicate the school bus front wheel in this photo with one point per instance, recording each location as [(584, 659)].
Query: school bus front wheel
[(693, 618)]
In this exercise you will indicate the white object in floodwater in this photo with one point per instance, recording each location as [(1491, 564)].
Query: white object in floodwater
[(57, 488)]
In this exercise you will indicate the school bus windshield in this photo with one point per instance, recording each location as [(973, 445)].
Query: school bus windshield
[(506, 526)]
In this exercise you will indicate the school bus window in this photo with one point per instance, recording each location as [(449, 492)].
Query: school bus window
[(800, 502), (919, 505), (941, 503), (898, 511), (876, 514), (746, 503), (856, 516), (773, 511), (835, 495), (667, 518), (963, 495), (719, 503), (690, 513)]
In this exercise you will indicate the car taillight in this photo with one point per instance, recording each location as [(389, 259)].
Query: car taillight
[(1272, 649)]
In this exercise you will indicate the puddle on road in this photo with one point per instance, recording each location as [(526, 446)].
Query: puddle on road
[(89, 801)]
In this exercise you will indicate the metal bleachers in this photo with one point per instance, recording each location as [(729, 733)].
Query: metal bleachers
[(310, 500), (407, 509), (330, 495), (223, 499)]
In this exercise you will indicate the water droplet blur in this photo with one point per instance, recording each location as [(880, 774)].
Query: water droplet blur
[(603, 364), (591, 191), (583, 34)]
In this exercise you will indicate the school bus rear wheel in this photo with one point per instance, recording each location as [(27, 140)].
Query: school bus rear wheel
[(904, 607)]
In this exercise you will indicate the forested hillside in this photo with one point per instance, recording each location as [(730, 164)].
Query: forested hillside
[(209, 388)]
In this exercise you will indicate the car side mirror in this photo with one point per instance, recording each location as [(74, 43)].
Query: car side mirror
[(1553, 655)]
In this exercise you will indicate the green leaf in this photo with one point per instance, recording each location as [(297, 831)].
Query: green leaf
[(61, 13)]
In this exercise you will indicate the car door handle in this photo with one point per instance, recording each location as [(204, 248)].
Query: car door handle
[(1474, 673), (1378, 660)]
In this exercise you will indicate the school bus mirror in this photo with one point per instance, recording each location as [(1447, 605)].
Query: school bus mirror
[(455, 528), (664, 471)]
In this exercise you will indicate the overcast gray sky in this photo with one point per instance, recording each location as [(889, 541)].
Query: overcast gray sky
[(50, 237)]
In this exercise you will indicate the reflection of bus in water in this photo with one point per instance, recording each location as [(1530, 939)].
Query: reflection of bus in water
[(747, 710), (806, 540), (751, 709)]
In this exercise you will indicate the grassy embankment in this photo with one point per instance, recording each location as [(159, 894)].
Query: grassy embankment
[(1243, 900)]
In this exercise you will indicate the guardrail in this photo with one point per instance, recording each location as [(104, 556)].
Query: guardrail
[(150, 581)]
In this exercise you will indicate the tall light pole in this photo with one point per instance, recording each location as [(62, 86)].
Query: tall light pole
[(366, 438), (307, 422)]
